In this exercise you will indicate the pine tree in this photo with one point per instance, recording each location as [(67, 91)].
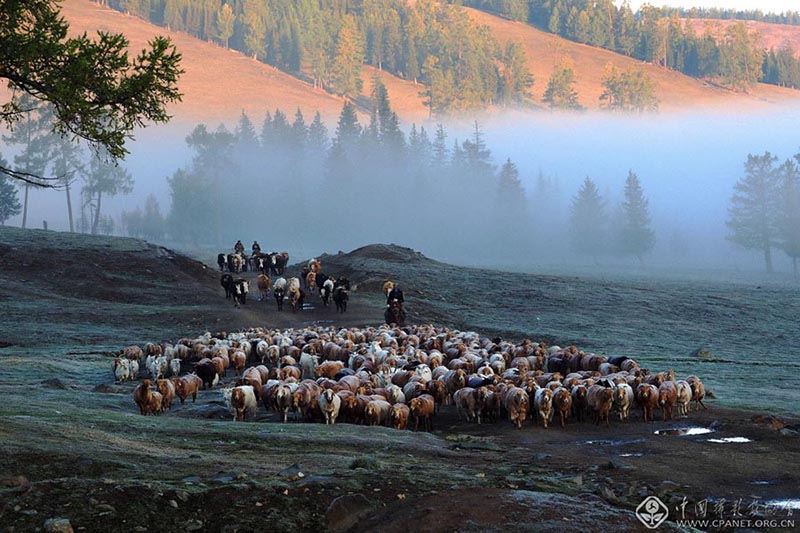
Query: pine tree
[(225, 21), (440, 152), (755, 205), (104, 178), (560, 93), (510, 194), (515, 77), (636, 237), (299, 132), (317, 136), (9, 201), (347, 61), (33, 134), (789, 222), (587, 220)]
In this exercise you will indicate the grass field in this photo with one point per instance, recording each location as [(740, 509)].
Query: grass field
[(73, 445)]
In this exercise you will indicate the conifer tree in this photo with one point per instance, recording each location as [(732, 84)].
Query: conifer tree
[(789, 222), (636, 237), (755, 206), (560, 92), (9, 201), (587, 220)]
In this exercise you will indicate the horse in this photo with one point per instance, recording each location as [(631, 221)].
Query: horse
[(264, 284), (326, 291), (222, 262), (279, 293), (395, 314), (340, 297)]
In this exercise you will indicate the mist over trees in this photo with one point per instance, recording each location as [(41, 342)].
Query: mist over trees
[(764, 210)]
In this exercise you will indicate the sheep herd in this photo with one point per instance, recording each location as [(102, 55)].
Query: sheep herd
[(401, 377)]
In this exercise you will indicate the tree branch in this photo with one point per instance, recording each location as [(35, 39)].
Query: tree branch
[(34, 179)]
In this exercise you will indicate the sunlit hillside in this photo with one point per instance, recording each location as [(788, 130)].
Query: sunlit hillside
[(220, 83), (674, 90)]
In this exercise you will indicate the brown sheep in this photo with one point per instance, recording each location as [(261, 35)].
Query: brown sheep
[(600, 399), (399, 416), (148, 401), (667, 398), (377, 413), (562, 404), (167, 390), (647, 398), (186, 386), (517, 403), (422, 407)]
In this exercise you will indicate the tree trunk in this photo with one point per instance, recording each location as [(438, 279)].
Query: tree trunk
[(96, 222), (69, 209), (25, 208), (768, 258)]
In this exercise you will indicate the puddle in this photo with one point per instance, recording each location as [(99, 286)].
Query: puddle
[(631, 454), (684, 431), (726, 440), (611, 442), (785, 504), (762, 482)]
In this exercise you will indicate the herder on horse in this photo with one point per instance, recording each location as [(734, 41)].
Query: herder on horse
[(394, 313)]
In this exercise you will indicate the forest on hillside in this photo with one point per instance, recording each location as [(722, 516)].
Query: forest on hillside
[(663, 36), (460, 64)]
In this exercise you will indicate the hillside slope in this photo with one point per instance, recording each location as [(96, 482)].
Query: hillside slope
[(219, 84), (674, 90), (771, 35)]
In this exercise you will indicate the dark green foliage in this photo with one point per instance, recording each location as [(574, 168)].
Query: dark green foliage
[(96, 92), (9, 200), (329, 41), (630, 90), (634, 234), (754, 213), (789, 221), (560, 93), (588, 220), (660, 35), (104, 178)]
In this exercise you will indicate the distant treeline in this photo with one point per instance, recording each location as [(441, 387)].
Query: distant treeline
[(662, 36), (327, 41), (291, 183)]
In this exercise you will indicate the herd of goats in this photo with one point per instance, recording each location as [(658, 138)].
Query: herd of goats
[(294, 289), (396, 376)]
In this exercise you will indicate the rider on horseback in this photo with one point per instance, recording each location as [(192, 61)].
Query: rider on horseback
[(238, 247), (395, 294)]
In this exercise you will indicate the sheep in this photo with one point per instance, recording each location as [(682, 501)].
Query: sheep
[(148, 401), (422, 407), (377, 412), (167, 390), (329, 404), (122, 370), (399, 416), (186, 386), (684, 397), (241, 402), (543, 402), (623, 399), (175, 367)]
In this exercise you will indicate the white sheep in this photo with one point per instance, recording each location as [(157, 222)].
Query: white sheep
[(329, 403)]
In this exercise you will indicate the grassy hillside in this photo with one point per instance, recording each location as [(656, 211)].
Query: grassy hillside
[(771, 35), (72, 444), (219, 83), (675, 91)]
